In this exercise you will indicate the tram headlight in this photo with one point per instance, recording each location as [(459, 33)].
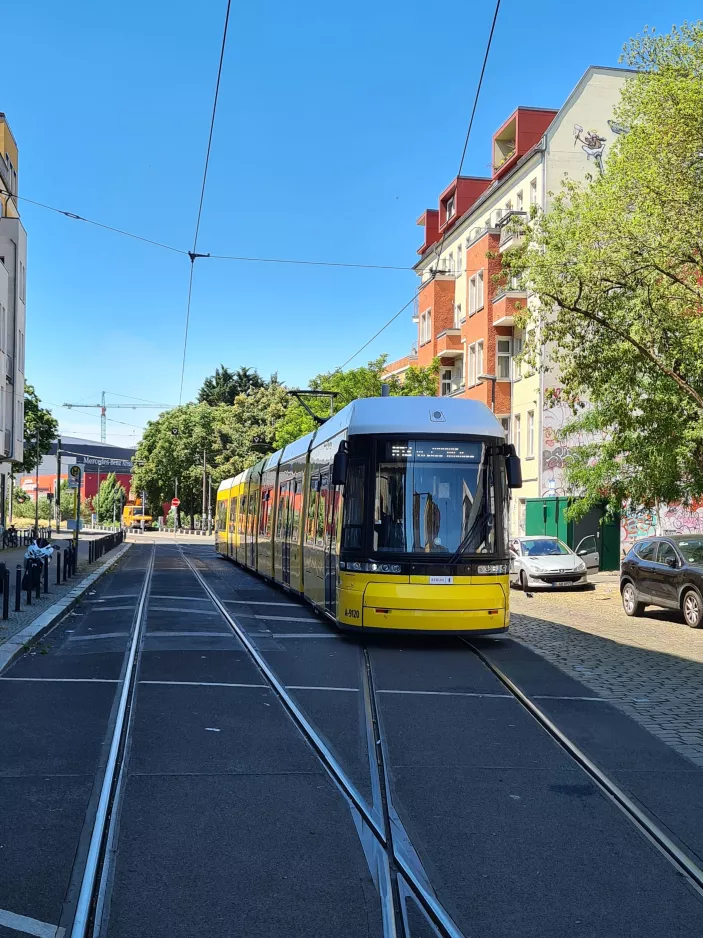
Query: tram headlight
[(492, 569)]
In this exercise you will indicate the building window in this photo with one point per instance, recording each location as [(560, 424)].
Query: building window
[(450, 207), (508, 206), (479, 358), (23, 282), (517, 351), (472, 365), (425, 326), (451, 262), (446, 385), (459, 374), (533, 192), (519, 201), (458, 317), (503, 358), (530, 434), (505, 424), (459, 260), (517, 433), (476, 293), (3, 327)]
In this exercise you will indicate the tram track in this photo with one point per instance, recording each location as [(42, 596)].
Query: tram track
[(400, 870), (95, 871), (678, 858)]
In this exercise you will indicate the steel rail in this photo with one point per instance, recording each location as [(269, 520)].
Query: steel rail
[(641, 821), (433, 909), (106, 802)]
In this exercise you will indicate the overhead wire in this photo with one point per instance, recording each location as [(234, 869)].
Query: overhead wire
[(438, 253), (193, 253)]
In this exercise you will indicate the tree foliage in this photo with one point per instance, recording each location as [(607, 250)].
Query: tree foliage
[(225, 385), (36, 419), (106, 503), (616, 265), (365, 381)]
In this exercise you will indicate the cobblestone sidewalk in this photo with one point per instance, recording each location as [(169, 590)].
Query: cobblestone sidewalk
[(650, 667)]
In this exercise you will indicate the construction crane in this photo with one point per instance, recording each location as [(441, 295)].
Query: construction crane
[(103, 411)]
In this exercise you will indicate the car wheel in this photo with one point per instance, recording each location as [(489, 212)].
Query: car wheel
[(630, 601), (523, 581), (692, 609)]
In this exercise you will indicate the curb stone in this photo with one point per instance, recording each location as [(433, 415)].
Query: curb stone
[(16, 645)]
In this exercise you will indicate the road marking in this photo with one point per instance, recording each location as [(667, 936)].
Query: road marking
[(197, 612), (352, 690), (30, 926), (66, 680), (90, 638), (110, 608), (203, 684), (121, 596), (291, 635), (195, 599), (444, 693), (246, 615), (254, 602), (151, 634)]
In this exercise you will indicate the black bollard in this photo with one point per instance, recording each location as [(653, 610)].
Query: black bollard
[(58, 567), (28, 574), (46, 574), (18, 587), (6, 594), (65, 562), (90, 551), (36, 572)]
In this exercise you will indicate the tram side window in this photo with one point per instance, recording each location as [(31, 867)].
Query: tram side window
[(281, 518), (263, 513), (221, 515), (251, 517), (242, 514), (232, 514), (312, 512), (322, 511), (296, 498), (354, 506)]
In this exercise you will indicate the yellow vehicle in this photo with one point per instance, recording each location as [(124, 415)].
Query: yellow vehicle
[(133, 516), (391, 516)]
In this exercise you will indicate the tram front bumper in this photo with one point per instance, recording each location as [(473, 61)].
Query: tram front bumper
[(416, 606)]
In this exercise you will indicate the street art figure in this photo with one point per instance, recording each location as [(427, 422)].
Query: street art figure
[(592, 145)]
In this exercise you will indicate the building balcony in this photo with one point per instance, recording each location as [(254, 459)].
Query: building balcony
[(506, 305), (512, 230), (449, 344)]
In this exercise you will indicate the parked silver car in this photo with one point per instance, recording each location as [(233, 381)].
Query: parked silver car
[(547, 562)]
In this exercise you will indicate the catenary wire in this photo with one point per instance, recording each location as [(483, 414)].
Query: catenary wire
[(98, 224), (216, 257), (461, 166), (193, 253)]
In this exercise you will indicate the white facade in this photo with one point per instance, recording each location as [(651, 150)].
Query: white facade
[(13, 285)]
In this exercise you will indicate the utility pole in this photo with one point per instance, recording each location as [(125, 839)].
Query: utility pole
[(36, 486), (175, 517), (209, 505), (57, 499), (204, 509)]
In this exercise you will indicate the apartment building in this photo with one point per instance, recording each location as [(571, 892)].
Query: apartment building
[(465, 311), (13, 286)]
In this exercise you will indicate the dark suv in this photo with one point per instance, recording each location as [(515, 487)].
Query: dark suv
[(667, 572)]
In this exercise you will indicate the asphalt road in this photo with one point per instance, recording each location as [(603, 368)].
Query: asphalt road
[(225, 821)]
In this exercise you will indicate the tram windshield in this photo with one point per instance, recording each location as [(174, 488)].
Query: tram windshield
[(433, 497)]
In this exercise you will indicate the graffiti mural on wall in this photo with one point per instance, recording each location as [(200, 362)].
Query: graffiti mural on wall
[(592, 144), (556, 447), (665, 519)]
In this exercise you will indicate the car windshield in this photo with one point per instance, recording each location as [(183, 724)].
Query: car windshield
[(692, 549), (433, 496), (544, 547)]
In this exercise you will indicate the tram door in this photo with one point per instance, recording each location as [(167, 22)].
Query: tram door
[(285, 527), (333, 498)]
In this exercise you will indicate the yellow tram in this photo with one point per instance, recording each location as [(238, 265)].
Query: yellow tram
[(391, 515)]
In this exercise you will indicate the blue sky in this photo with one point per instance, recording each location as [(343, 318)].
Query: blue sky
[(337, 126)]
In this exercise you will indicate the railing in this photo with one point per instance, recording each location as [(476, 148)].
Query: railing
[(102, 545), (511, 226)]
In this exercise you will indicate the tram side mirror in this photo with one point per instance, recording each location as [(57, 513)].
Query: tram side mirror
[(513, 468), (340, 464)]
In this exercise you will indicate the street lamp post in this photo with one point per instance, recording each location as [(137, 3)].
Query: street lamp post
[(492, 379)]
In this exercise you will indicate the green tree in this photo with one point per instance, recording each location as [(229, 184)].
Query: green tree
[(616, 265), (106, 504), (365, 381), (37, 419), (225, 385)]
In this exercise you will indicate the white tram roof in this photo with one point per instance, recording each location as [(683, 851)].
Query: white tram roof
[(441, 416), (225, 485)]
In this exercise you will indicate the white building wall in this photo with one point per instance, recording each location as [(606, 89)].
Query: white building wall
[(13, 256)]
